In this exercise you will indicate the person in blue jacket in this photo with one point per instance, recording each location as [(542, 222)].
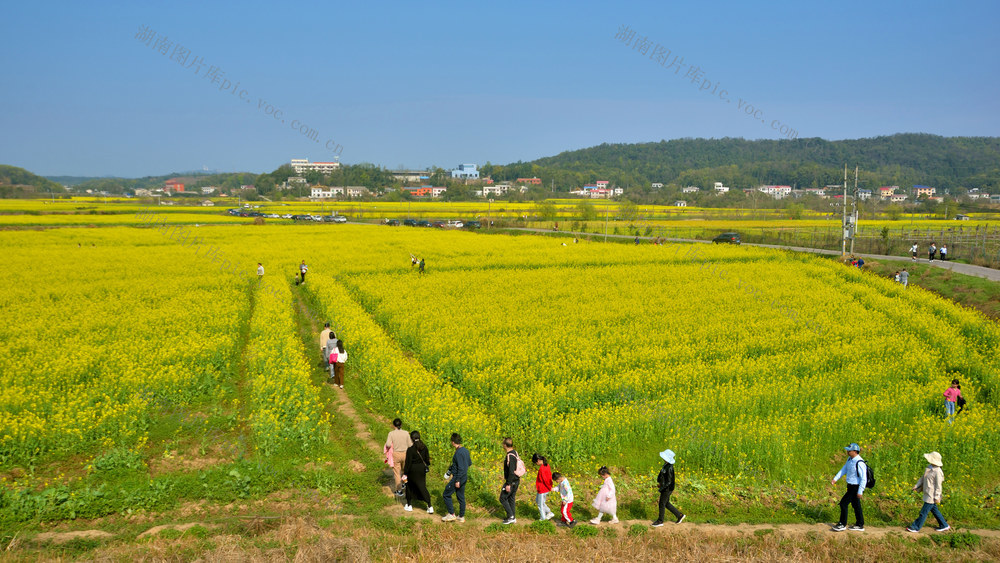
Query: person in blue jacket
[(855, 473), (458, 476)]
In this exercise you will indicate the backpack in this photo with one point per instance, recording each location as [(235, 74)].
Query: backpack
[(519, 469), (870, 474)]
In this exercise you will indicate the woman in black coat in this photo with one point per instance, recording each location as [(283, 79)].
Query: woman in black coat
[(415, 467)]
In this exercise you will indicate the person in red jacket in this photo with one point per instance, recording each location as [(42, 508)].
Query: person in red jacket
[(543, 484)]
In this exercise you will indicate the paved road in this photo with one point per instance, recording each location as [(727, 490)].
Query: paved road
[(967, 269)]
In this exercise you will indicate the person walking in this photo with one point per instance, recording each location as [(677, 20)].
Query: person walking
[(400, 441), (324, 339), (944, 252), (931, 251), (951, 396), (338, 366), (606, 502), (511, 480), (904, 277), (302, 272), (330, 354), (543, 486), (665, 482), (896, 277), (566, 496), (930, 484), (260, 270), (913, 252), (855, 473), (420, 269), (415, 467), (458, 476)]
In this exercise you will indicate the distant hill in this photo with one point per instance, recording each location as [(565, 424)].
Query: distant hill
[(902, 159), (18, 182)]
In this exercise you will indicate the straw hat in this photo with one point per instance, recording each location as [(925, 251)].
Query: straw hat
[(668, 456), (934, 458)]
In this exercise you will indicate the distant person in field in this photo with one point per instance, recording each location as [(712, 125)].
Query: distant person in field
[(415, 467), (861, 262), (324, 339), (931, 251), (944, 252), (606, 502), (302, 272), (855, 473), (930, 484), (913, 252), (338, 366), (951, 397), (260, 270), (413, 261), (543, 486), (566, 496), (665, 482), (399, 440), (904, 277), (511, 480), (896, 276), (457, 476), (421, 268), (636, 240)]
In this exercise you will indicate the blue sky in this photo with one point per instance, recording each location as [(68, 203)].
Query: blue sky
[(444, 83)]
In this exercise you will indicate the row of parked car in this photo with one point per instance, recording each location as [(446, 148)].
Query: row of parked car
[(436, 224), (317, 218)]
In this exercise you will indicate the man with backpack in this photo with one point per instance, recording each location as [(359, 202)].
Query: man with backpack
[(858, 476), (513, 469)]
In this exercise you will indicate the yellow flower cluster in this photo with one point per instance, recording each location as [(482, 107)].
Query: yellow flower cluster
[(286, 405)]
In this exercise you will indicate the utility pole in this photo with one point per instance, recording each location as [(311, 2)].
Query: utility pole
[(605, 222), (843, 221), (854, 214)]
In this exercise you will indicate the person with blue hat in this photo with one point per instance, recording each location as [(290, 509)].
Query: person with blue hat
[(665, 483), (855, 473)]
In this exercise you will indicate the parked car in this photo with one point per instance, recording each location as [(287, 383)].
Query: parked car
[(438, 224), (410, 222), (423, 223), (340, 219), (392, 222), (471, 225), (727, 238), (454, 224), (329, 219)]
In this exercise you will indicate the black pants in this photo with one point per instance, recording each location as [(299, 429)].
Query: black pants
[(665, 503), (507, 499), (416, 486), (851, 498)]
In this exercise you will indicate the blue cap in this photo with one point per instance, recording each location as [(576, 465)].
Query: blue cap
[(854, 447)]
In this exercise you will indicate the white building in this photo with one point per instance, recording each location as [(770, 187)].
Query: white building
[(656, 185), (496, 189), (208, 190), (777, 192), (321, 192), (897, 198), (680, 203), (438, 192), (466, 172), (302, 165), (864, 195), (207, 203), (690, 190), (355, 191), (719, 188)]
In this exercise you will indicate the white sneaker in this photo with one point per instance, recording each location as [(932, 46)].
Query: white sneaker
[(448, 518), (595, 521), (430, 510), (461, 519), (408, 508), (613, 521)]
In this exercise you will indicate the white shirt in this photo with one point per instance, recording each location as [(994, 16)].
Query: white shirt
[(260, 270)]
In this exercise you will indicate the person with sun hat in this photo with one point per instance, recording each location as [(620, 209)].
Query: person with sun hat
[(930, 484), (665, 484)]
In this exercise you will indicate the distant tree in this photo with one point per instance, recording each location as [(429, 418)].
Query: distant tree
[(628, 210), (546, 210), (794, 210), (894, 212), (586, 210)]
